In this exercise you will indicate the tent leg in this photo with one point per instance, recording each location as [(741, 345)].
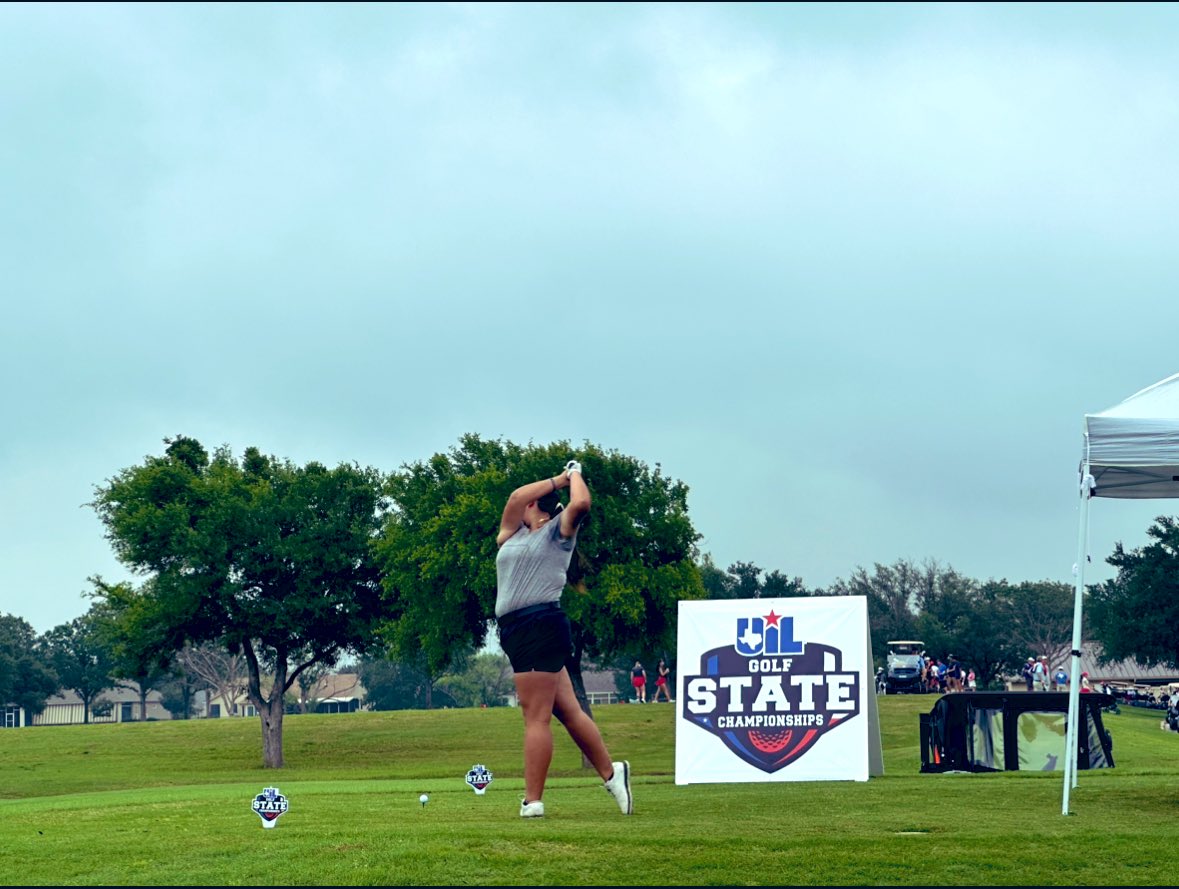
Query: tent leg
[(1074, 686)]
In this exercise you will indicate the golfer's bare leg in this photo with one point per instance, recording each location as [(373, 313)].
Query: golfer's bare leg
[(582, 729), (535, 691)]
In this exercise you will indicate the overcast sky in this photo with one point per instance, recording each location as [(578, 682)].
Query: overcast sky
[(853, 273)]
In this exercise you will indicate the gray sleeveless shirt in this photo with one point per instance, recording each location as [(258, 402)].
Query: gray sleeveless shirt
[(530, 567)]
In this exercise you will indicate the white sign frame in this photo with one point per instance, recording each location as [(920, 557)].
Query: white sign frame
[(778, 689)]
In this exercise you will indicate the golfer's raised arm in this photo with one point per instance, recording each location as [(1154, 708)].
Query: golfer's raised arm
[(513, 514), (579, 502)]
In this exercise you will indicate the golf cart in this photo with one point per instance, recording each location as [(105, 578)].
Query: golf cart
[(902, 667)]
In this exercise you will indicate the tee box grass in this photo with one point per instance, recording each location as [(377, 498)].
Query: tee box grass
[(168, 803)]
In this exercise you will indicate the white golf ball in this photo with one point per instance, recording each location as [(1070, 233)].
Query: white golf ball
[(423, 799)]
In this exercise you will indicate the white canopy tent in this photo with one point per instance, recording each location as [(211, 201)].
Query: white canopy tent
[(1129, 451)]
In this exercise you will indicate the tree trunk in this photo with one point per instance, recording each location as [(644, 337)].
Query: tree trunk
[(271, 716), (270, 710), (573, 666), (142, 702), (186, 697)]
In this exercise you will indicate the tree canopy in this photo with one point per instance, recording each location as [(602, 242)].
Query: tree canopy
[(744, 580), (485, 682), (1038, 619), (258, 555), (895, 594), (81, 657), (1136, 614), (132, 630), (990, 626), (399, 685), (27, 678)]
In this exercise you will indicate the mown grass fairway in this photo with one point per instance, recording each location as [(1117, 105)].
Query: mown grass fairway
[(169, 804)]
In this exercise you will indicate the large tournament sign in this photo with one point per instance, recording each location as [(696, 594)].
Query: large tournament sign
[(775, 690)]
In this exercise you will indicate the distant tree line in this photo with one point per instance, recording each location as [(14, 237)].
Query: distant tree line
[(992, 626), (81, 657), (260, 574)]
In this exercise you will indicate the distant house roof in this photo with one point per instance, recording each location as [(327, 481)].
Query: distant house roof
[(1128, 671), (329, 687), (598, 681), (1122, 671), (337, 687), (120, 694)]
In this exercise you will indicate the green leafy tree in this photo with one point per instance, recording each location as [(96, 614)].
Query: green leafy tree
[(306, 683), (1136, 614), (81, 657), (778, 585), (907, 600), (135, 633), (399, 685), (263, 557), (942, 599), (485, 682), (892, 593), (27, 678), (972, 622), (716, 582), (987, 639), (744, 580), (437, 552), (178, 691), (1039, 618), (634, 559)]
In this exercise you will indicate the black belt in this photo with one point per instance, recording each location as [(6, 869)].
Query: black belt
[(514, 617)]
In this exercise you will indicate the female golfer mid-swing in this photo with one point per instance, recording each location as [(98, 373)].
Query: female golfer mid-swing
[(536, 539)]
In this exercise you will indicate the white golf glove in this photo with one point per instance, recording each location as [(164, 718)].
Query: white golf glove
[(571, 467)]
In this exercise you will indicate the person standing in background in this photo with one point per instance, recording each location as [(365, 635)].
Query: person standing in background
[(1040, 674), (638, 678), (662, 680)]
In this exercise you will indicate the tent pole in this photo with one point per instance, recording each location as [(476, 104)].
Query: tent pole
[(1074, 686)]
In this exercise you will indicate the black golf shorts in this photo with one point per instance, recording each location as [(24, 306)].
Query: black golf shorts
[(536, 638)]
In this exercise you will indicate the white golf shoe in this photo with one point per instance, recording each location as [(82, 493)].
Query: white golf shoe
[(531, 810), (619, 787)]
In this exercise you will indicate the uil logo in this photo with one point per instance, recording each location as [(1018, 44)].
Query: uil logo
[(479, 776), (269, 804), (772, 634), (768, 696)]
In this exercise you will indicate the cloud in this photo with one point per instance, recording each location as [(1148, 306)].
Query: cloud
[(851, 272)]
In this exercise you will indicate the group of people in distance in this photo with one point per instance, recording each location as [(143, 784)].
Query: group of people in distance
[(1039, 676), (946, 676), (949, 676), (638, 678)]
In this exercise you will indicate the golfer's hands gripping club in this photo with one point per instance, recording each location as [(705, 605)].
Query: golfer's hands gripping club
[(571, 467)]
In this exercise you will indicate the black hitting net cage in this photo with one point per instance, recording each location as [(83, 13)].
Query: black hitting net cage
[(1012, 731)]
